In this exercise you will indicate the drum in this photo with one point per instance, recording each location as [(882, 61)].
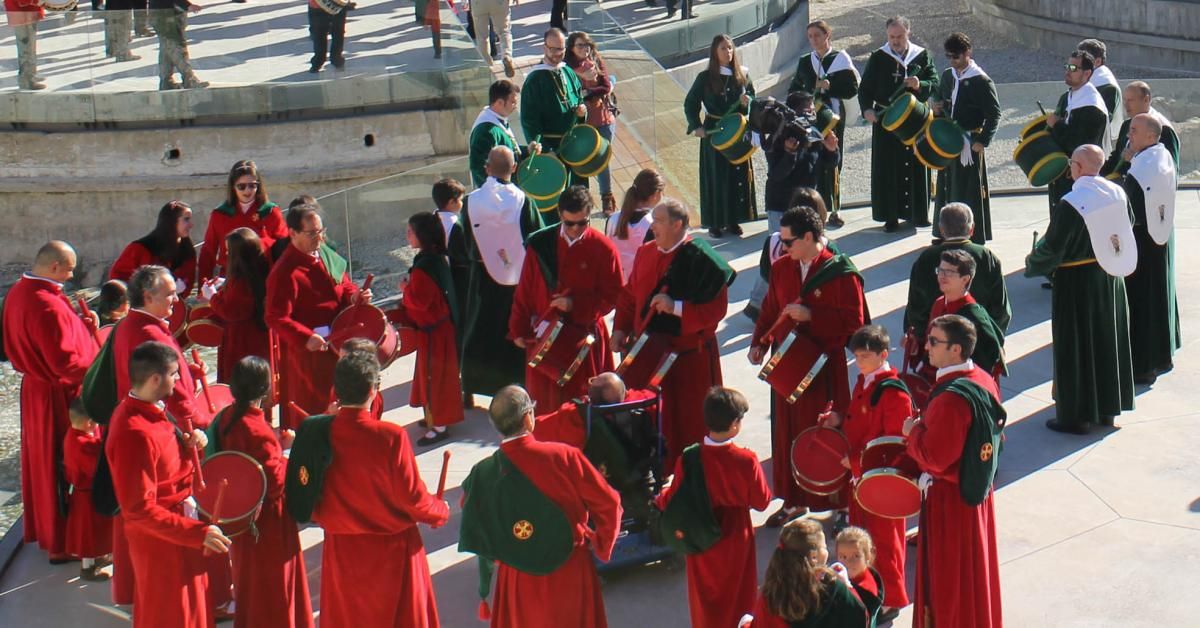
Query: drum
[(561, 348), (648, 361), (177, 324), (888, 486), (408, 339), (827, 120), (204, 327), (918, 388), (104, 332), (906, 118), (543, 177), (332, 7), (212, 399), (794, 366), (367, 321), (585, 150), (234, 489), (55, 6), (1038, 124), (732, 139), (940, 144), (817, 455), (1041, 158)]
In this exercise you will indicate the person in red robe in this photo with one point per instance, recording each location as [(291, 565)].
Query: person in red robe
[(52, 348), (168, 245), (955, 272), (820, 295), (878, 407), (89, 533), (373, 570), (307, 288), (567, 425), (152, 473), (576, 271), (570, 595), (958, 569), (678, 287), (269, 574), (429, 304), (240, 302), (723, 579), (246, 205)]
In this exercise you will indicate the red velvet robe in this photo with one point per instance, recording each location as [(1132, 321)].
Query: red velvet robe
[(374, 572), (723, 580), (436, 384), (958, 569), (863, 424), (301, 296), (269, 574), (89, 534), (152, 476), (566, 425), (838, 310), (244, 336), (52, 348), (137, 255), (589, 272), (698, 367), (266, 221), (571, 595)]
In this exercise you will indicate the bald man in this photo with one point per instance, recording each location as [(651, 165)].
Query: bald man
[(52, 348), (1093, 373), (1136, 99), (566, 425)]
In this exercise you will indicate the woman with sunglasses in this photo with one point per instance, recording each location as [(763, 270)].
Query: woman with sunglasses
[(583, 57), (246, 205), (168, 245)]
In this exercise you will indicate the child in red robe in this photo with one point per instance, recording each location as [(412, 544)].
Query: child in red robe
[(856, 552), (89, 534), (723, 579), (239, 301)]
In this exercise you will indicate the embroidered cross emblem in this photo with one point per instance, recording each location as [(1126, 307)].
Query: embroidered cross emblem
[(1162, 213), (303, 475), (985, 452), (1116, 243), (522, 530), (901, 73)]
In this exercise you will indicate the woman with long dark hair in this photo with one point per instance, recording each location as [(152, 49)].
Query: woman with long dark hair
[(583, 57), (269, 574), (726, 189), (246, 205), (168, 245), (239, 302), (630, 229)]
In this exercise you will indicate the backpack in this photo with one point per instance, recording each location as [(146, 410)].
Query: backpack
[(99, 393)]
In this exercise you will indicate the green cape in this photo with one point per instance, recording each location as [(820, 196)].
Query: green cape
[(696, 275), (312, 453), (984, 442), (688, 523), (262, 212), (438, 268)]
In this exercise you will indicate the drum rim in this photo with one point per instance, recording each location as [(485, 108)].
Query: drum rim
[(537, 197), (1028, 128), (322, 4), (261, 498), (1029, 140), (1041, 163), (591, 173), (352, 308), (833, 122), (543, 346), (742, 122), (912, 104), (890, 472), (820, 489), (932, 141), (203, 322), (920, 132), (584, 348), (806, 480), (808, 378), (744, 158), (924, 162), (595, 150)]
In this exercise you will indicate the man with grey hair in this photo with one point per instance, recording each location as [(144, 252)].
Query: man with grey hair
[(1137, 98), (956, 223)]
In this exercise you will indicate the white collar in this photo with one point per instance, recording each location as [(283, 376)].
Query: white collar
[(545, 66), (665, 251), (158, 404), (965, 366), (49, 281), (136, 309), (517, 437), (489, 115), (868, 378), (570, 243), (1085, 95), (972, 69), (712, 443), (913, 51), (728, 71), (1102, 76), (244, 207)]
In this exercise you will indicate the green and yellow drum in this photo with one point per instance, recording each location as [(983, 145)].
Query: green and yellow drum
[(732, 139), (1038, 124), (543, 178), (1040, 158), (940, 144), (907, 118), (827, 120), (585, 151)]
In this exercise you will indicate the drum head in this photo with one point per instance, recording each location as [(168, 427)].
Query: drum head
[(205, 332), (219, 397), (238, 480), (888, 493), (945, 138), (358, 321), (580, 145), (542, 177), (817, 455), (887, 451), (729, 130), (897, 112)]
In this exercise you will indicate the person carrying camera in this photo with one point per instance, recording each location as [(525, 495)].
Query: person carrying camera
[(793, 159)]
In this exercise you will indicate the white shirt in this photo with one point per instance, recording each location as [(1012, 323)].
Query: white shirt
[(570, 243), (869, 378), (965, 366), (627, 248), (712, 443)]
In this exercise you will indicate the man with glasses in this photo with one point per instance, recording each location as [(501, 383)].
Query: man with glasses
[(954, 276), (1093, 371), (820, 296), (552, 101), (308, 287), (571, 272), (968, 97), (1080, 118), (492, 129)]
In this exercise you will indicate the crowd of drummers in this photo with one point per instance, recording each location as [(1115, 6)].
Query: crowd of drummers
[(192, 482)]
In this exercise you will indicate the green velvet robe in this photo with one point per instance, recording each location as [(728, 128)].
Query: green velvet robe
[(977, 111), (484, 138), (548, 102), (988, 287), (727, 195), (1117, 164), (899, 182), (843, 85), (1093, 368), (1087, 126), (1153, 308)]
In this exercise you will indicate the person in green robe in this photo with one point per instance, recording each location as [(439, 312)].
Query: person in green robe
[(831, 77), (1153, 309), (1080, 118), (1102, 77), (899, 182), (967, 96), (727, 196), (552, 103), (492, 129), (1093, 368), (1137, 98)]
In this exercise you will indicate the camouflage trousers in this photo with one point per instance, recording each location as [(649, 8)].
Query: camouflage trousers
[(172, 46), (26, 35), (117, 25)]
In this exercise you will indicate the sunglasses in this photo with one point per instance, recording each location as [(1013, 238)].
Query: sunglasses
[(242, 187), (933, 342), (787, 242), (1070, 67), (316, 233), (949, 272), (575, 223)]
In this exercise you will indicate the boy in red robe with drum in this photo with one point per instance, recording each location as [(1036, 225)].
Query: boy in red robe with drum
[(89, 533), (573, 272), (723, 579), (956, 443), (822, 295)]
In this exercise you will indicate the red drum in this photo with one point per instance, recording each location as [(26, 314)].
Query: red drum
[(204, 327), (212, 399), (177, 324), (888, 487), (918, 388), (104, 332), (234, 489), (648, 362), (794, 366), (408, 340), (367, 321), (561, 348), (817, 455)]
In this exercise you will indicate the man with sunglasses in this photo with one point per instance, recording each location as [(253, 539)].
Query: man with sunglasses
[(968, 97), (552, 101), (820, 296), (1080, 118), (573, 272)]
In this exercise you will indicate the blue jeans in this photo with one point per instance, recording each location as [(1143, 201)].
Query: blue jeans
[(604, 180), (759, 291)]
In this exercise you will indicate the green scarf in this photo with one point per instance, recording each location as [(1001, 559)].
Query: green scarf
[(438, 268), (984, 442)]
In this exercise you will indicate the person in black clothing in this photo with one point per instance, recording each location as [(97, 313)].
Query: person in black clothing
[(322, 28)]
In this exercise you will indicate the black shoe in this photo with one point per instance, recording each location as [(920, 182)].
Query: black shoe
[(671, 13), (890, 226), (782, 516), (436, 438), (715, 232), (1047, 285), (651, 3), (1065, 428), (1165, 369), (886, 617), (751, 313), (835, 221), (1145, 379), (922, 223), (735, 230), (313, 69)]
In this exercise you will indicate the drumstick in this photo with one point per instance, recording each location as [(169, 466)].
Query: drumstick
[(298, 410), (87, 314), (212, 408), (827, 448), (442, 479), (1034, 247), (216, 518), (1039, 104), (367, 282), (649, 312)]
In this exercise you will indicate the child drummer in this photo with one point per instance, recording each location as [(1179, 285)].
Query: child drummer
[(89, 534), (879, 406)]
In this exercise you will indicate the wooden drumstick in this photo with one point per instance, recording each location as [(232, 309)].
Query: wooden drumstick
[(87, 315), (441, 490), (827, 448), (367, 282), (298, 410), (212, 408), (216, 517), (187, 424), (1040, 107), (1034, 247)]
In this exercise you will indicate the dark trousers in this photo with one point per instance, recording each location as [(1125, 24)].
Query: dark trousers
[(323, 26), (558, 14), (687, 7)]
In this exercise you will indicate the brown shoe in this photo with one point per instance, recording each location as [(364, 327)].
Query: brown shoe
[(784, 515), (509, 70), (608, 203), (93, 574)]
